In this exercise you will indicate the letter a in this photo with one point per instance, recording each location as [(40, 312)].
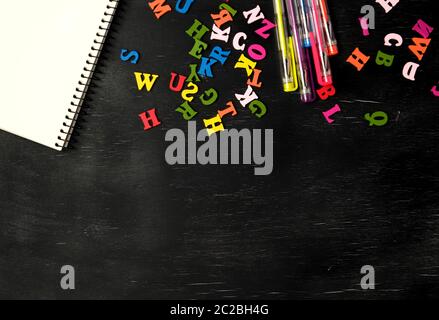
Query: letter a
[(68, 280), (368, 281), (369, 12)]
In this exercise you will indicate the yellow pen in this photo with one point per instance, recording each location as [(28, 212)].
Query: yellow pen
[(286, 49)]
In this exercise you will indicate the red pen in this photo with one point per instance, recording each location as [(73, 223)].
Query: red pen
[(328, 31), (320, 54)]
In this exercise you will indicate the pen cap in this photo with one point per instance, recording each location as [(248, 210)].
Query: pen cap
[(308, 91), (328, 30), (332, 50), (303, 21)]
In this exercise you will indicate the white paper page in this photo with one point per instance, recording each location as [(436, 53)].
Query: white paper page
[(45, 46)]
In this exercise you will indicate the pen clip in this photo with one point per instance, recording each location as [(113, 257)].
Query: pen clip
[(295, 83)]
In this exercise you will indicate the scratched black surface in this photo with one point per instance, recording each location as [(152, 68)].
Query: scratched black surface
[(341, 196)]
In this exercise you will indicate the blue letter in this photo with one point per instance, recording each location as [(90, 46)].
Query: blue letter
[(186, 7), (132, 55)]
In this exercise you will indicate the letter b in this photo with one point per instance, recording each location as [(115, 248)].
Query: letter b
[(326, 92), (384, 59)]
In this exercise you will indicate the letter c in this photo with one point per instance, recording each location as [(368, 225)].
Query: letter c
[(236, 41)]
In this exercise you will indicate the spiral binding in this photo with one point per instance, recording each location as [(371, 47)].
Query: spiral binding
[(84, 84)]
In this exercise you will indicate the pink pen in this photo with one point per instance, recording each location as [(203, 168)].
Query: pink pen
[(320, 54)]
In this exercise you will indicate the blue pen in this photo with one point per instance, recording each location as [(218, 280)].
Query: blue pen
[(304, 22)]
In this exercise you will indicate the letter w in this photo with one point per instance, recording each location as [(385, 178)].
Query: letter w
[(145, 80), (420, 47)]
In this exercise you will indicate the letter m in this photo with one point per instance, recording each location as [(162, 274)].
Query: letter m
[(159, 8), (235, 137)]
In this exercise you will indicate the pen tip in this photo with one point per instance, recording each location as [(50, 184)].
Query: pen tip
[(332, 50)]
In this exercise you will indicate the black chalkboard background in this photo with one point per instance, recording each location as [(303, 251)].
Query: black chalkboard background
[(341, 196)]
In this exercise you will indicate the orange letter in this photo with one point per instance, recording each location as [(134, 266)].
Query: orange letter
[(221, 18), (419, 47), (255, 81), (159, 8), (358, 59)]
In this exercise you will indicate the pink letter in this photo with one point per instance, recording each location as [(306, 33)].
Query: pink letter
[(409, 71), (422, 28), (328, 114), (364, 26)]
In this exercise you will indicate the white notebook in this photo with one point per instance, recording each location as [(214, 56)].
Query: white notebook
[(46, 45)]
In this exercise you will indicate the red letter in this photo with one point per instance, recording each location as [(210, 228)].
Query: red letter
[(179, 86), (149, 119), (326, 92)]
